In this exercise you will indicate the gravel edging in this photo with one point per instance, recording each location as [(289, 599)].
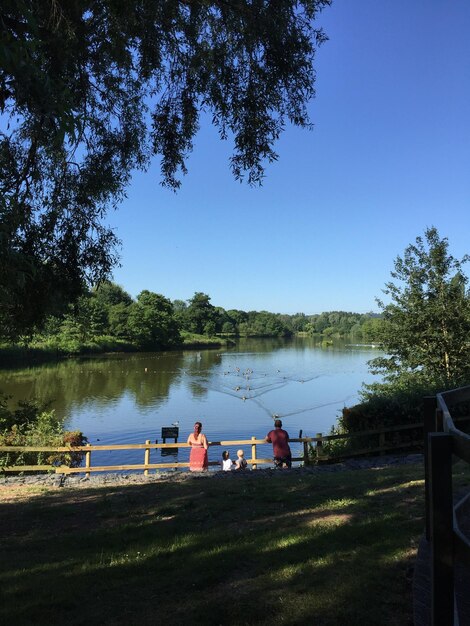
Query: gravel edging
[(97, 480)]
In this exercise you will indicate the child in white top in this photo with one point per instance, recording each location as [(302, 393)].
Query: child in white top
[(240, 463), (226, 461)]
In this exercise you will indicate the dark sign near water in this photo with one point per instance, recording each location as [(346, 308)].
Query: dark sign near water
[(170, 432)]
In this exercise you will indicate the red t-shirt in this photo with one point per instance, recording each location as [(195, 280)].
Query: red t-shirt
[(279, 439)]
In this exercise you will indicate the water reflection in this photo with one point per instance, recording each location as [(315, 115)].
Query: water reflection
[(235, 392), (72, 383)]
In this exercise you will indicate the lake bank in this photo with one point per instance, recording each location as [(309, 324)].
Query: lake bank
[(31, 355)]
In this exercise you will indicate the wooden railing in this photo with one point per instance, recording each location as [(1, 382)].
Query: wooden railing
[(313, 452), (448, 544), (146, 447)]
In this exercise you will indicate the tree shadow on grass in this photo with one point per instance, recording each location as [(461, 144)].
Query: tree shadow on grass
[(288, 549)]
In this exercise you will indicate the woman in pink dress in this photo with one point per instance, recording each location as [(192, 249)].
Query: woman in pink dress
[(198, 457)]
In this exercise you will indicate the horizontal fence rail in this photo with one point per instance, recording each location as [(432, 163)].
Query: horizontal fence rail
[(449, 545), (313, 451), (146, 447)]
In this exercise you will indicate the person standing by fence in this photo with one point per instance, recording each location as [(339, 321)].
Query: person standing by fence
[(281, 450), (198, 460)]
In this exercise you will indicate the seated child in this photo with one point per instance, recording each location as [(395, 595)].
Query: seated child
[(240, 463), (226, 461)]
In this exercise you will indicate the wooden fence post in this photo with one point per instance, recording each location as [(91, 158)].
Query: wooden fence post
[(88, 460), (442, 570), (306, 457), (146, 457), (319, 446), (253, 453), (382, 442), (429, 425)]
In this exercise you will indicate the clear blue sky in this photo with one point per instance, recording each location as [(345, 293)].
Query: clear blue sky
[(388, 157)]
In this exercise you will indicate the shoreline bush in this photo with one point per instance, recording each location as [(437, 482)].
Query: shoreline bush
[(31, 425)]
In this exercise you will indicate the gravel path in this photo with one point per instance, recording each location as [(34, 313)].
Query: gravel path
[(77, 480)]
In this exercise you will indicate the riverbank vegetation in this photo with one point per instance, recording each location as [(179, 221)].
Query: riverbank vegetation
[(32, 425), (425, 334), (283, 547), (108, 319)]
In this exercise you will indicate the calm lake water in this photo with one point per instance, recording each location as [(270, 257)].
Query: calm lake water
[(234, 392)]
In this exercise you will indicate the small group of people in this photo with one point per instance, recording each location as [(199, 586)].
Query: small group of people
[(228, 465), (198, 460)]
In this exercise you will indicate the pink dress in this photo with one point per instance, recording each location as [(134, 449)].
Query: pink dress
[(198, 460)]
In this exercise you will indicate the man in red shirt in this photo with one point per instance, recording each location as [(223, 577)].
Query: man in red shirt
[(280, 440)]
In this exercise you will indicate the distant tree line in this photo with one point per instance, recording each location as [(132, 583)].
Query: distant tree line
[(362, 326), (107, 317)]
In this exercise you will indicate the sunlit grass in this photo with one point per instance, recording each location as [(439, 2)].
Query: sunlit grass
[(287, 549)]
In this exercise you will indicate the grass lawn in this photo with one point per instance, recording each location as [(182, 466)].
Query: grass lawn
[(279, 548)]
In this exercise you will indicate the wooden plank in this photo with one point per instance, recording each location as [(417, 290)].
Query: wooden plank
[(306, 458), (88, 461), (112, 468), (239, 442), (147, 458), (462, 394), (461, 547), (64, 469), (461, 503), (460, 444), (116, 468), (253, 453), (27, 468), (38, 449), (429, 413), (440, 420), (365, 433), (319, 447), (442, 511), (363, 451), (156, 446)]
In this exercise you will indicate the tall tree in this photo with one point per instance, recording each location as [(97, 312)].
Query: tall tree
[(426, 326), (111, 294), (91, 89), (151, 322), (199, 313)]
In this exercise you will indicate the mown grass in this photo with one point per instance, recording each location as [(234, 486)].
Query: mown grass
[(281, 548)]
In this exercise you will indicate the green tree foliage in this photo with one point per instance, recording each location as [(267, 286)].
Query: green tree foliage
[(31, 425), (179, 311), (371, 329), (341, 324), (90, 90), (116, 303), (151, 322), (426, 325), (111, 294), (265, 324), (118, 320), (425, 331), (106, 318), (199, 313)]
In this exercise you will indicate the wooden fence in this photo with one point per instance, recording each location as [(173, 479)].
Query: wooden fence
[(313, 451), (448, 543)]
